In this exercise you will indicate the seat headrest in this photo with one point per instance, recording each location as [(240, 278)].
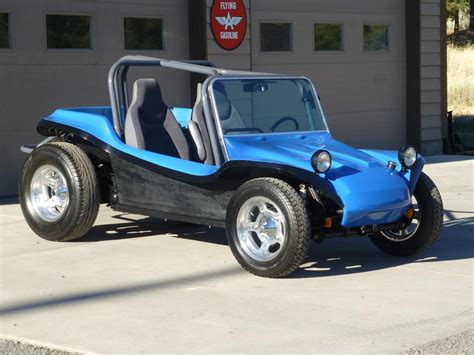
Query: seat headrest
[(147, 95), (224, 107)]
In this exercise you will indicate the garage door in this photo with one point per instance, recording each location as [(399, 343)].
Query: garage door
[(44, 70), (354, 51)]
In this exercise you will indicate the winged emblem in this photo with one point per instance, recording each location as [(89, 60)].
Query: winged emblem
[(229, 21)]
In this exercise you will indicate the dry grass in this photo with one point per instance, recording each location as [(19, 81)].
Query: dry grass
[(461, 80)]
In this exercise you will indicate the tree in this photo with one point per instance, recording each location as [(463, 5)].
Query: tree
[(454, 8), (471, 16)]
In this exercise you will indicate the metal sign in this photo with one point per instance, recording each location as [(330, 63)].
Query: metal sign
[(228, 23)]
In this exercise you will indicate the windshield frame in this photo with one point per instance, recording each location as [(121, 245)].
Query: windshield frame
[(215, 115)]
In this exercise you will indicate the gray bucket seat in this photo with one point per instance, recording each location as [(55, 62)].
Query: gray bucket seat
[(150, 124)]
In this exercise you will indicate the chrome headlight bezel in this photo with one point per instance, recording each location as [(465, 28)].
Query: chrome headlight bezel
[(407, 156), (321, 161)]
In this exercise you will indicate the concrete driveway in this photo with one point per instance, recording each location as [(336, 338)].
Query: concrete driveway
[(137, 284)]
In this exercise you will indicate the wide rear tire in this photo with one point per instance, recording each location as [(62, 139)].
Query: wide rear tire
[(59, 192)]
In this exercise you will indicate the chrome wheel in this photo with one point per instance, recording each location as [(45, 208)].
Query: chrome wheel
[(410, 230), (49, 193), (261, 229)]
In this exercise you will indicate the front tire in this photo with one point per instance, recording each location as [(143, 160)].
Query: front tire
[(429, 218), (267, 227), (59, 192)]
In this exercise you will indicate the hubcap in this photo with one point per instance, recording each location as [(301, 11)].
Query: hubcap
[(261, 229), (49, 193), (411, 228)]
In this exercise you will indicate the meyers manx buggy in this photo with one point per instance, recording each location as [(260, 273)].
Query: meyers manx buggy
[(254, 155)]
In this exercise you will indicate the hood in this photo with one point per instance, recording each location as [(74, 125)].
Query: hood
[(370, 193), (297, 149)]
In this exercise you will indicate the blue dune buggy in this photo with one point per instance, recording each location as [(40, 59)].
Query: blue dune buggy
[(253, 155)]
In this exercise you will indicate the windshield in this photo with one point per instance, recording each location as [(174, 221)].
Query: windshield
[(250, 106)]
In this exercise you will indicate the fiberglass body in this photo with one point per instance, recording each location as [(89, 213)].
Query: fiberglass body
[(359, 181)]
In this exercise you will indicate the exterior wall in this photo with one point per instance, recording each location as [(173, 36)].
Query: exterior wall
[(362, 93), (239, 58), (34, 81), (432, 73)]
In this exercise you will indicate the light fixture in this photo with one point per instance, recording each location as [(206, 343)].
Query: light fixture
[(407, 156), (321, 161)]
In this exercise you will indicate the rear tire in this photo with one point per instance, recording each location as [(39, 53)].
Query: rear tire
[(59, 192), (431, 221), (267, 227)]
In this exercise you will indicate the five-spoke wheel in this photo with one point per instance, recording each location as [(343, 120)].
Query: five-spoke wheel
[(261, 228), (268, 228), (59, 192)]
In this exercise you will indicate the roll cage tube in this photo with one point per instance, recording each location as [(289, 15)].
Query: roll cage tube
[(117, 79), (118, 89)]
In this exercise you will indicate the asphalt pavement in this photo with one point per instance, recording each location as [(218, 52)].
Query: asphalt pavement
[(138, 284)]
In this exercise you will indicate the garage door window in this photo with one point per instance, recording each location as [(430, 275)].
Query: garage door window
[(275, 37), (143, 33), (376, 38), (328, 37), (68, 32), (4, 30)]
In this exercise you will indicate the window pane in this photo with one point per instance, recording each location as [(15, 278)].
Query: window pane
[(376, 38), (143, 33), (327, 37), (247, 106), (68, 31), (275, 37), (4, 35)]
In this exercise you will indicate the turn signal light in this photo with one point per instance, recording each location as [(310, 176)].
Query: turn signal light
[(328, 222), (409, 213)]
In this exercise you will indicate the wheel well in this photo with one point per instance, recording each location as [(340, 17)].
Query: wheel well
[(101, 163)]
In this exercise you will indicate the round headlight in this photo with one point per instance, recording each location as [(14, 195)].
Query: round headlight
[(321, 161), (407, 156)]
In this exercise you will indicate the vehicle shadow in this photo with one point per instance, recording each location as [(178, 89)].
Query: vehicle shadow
[(127, 228), (334, 257), (339, 256), (356, 255), (4, 201)]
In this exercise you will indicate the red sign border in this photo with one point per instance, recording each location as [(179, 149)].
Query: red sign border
[(215, 35)]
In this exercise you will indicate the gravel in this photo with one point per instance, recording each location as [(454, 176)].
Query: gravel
[(462, 343), (19, 347)]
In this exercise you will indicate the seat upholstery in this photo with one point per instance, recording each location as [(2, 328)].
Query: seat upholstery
[(229, 117), (150, 124), (198, 130)]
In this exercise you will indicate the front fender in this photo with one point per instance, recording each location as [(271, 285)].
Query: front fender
[(410, 176)]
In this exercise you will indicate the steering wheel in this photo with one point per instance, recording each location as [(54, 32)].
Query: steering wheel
[(246, 129), (284, 119)]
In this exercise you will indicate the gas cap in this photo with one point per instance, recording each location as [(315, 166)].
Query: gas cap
[(391, 165)]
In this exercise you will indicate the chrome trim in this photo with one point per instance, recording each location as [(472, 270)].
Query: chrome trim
[(49, 193), (258, 232)]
